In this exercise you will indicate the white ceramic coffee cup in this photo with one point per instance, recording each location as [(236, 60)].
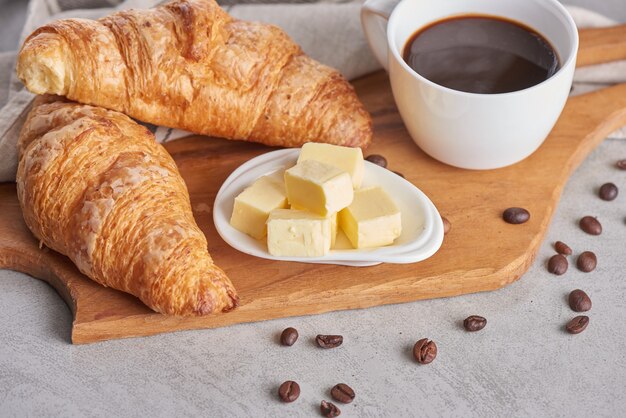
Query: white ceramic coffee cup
[(469, 130)]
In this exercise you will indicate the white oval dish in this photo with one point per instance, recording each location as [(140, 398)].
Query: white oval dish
[(422, 228)]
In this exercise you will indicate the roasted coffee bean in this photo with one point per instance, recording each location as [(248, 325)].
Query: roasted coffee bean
[(342, 393), (289, 336), (558, 264), (329, 341), (579, 301), (446, 225), (577, 325), (587, 261), (608, 191), (621, 164), (398, 173), (562, 248), (329, 409), (590, 225), (377, 159), (289, 391), (516, 215), (425, 351), (474, 323)]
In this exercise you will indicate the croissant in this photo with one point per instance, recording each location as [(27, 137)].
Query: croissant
[(189, 65), (97, 187)]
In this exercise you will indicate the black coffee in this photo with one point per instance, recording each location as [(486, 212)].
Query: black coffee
[(481, 54)]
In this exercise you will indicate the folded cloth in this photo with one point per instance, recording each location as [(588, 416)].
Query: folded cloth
[(328, 30)]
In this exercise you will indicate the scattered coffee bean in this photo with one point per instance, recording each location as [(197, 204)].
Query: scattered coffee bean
[(516, 215), (577, 325), (590, 225), (621, 164), (329, 341), (329, 409), (558, 264), (474, 323), (579, 301), (425, 351), (398, 173), (289, 336), (289, 391), (446, 225), (377, 159), (608, 191), (587, 261), (562, 248), (342, 393)]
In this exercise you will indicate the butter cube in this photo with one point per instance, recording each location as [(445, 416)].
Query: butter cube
[(334, 224), (254, 204), (347, 159), (372, 220), (319, 187), (298, 233)]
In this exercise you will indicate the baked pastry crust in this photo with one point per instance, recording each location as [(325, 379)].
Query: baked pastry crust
[(96, 186), (189, 65)]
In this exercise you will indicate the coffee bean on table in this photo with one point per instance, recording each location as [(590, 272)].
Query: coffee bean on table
[(289, 336), (425, 351), (329, 341), (342, 393), (587, 261), (577, 325), (446, 225), (289, 391), (377, 159), (557, 264), (329, 409), (398, 173), (474, 323), (590, 225), (621, 164), (608, 191), (562, 248), (516, 215), (579, 301)]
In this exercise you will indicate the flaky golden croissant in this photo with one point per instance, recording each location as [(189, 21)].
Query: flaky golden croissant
[(95, 186), (189, 65)]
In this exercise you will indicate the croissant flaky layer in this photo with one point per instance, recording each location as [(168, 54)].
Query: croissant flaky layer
[(95, 186), (189, 65)]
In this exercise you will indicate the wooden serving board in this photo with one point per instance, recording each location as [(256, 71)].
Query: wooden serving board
[(480, 253)]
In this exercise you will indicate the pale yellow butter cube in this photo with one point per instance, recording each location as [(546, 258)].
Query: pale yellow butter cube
[(298, 233), (254, 204), (318, 187), (347, 159), (334, 224), (372, 220)]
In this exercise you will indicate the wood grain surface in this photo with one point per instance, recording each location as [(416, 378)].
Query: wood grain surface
[(480, 253)]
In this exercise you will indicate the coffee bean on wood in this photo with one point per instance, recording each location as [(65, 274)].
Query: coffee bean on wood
[(621, 164), (608, 192), (577, 324), (289, 391), (474, 323), (557, 264), (289, 336), (425, 351), (562, 248), (329, 409), (587, 261), (377, 159), (446, 225), (590, 225), (342, 393), (516, 215), (329, 341), (579, 301)]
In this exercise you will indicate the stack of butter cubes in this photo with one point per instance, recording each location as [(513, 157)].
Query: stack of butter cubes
[(300, 210)]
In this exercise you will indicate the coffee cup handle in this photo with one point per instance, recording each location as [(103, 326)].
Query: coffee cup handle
[(374, 17)]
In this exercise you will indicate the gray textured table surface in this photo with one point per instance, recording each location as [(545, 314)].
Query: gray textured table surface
[(521, 364)]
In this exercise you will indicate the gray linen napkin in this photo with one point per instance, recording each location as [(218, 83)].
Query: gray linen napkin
[(327, 30)]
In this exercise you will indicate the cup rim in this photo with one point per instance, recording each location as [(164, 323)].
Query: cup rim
[(573, 51)]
